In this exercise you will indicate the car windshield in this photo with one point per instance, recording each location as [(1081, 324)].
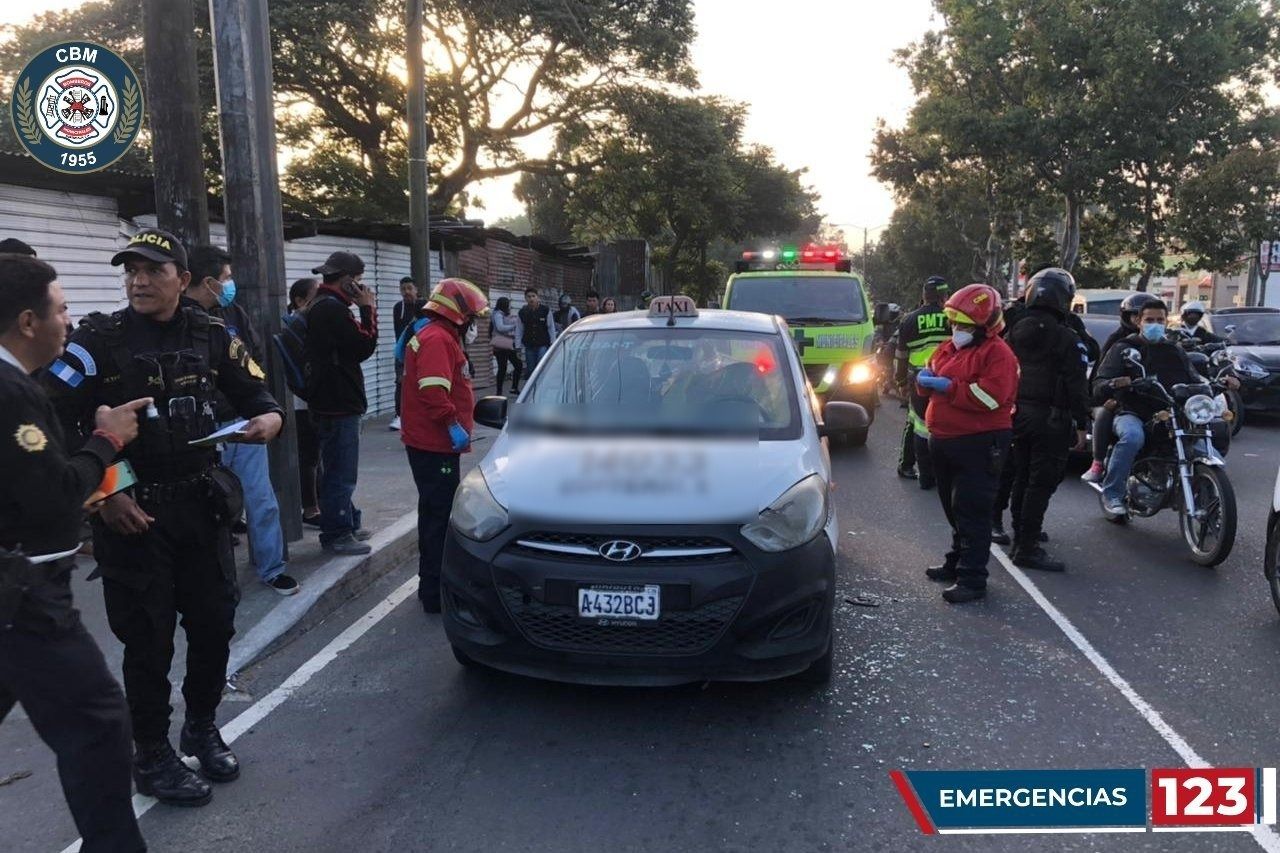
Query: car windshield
[(1248, 329), (664, 381), (801, 300)]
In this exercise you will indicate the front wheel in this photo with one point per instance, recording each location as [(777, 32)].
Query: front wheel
[(1211, 532)]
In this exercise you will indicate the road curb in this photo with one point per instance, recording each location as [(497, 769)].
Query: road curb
[(328, 588)]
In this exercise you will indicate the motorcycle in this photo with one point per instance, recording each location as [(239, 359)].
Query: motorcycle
[(1178, 467), (1214, 355)]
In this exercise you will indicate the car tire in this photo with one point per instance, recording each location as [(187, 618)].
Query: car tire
[(1271, 560)]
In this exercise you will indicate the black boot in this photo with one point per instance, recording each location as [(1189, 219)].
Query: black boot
[(998, 534), (202, 739), (958, 594), (158, 773), (941, 573), (1036, 558)]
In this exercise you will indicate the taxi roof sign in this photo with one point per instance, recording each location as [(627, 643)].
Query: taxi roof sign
[(672, 307)]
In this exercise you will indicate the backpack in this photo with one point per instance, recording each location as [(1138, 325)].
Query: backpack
[(291, 344)]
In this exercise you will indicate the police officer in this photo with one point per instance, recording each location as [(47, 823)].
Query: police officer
[(165, 550), (919, 334), (1052, 408), (48, 661)]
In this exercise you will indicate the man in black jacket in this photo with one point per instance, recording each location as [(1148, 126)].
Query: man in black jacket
[(403, 313), (537, 330), (48, 661), (1053, 408), (336, 345)]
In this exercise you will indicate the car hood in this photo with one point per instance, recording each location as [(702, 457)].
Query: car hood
[(1268, 356), (587, 479)]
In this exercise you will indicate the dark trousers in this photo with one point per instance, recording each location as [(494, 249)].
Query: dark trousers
[(436, 476), (507, 357), (1103, 419), (1004, 492), (968, 473), (308, 458), (907, 450), (78, 710), (915, 447), (181, 567), (399, 376), (339, 439), (1038, 459)]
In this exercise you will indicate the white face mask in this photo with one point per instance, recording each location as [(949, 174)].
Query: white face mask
[(469, 337), (961, 339)]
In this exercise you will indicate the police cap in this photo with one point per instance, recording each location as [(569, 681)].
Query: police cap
[(154, 245)]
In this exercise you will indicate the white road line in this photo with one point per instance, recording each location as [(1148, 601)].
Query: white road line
[(258, 711), (1265, 836)]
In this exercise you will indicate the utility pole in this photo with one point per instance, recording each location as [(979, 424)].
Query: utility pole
[(866, 257), (255, 233), (419, 213), (173, 106)]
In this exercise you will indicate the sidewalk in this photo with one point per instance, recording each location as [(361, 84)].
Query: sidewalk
[(265, 619)]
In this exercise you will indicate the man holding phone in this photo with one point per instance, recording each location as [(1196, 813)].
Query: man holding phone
[(48, 661), (337, 344)]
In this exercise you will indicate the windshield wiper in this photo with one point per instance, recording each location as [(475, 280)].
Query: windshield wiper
[(818, 321)]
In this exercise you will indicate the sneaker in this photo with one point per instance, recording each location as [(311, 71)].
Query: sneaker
[(1114, 509), (362, 535), (395, 423), (284, 585), (311, 521), (347, 546), (1095, 473), (907, 473)]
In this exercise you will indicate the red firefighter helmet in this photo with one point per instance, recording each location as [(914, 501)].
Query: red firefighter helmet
[(457, 300), (976, 305)]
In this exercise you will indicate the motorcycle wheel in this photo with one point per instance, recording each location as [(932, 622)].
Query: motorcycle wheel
[(1212, 539), (1235, 404), (1271, 562)]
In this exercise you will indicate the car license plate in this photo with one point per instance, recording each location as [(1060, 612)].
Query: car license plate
[(620, 602)]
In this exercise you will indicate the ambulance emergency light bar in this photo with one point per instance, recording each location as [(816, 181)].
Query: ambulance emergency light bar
[(790, 257)]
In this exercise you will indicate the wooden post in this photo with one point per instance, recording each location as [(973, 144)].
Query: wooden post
[(255, 232), (173, 107)]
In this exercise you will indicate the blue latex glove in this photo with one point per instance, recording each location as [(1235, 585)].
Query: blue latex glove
[(459, 437), (933, 383)]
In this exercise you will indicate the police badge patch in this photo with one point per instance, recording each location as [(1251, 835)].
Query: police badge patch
[(77, 107), (31, 438)]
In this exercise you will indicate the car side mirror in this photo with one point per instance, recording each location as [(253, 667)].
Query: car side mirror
[(491, 411), (840, 417)]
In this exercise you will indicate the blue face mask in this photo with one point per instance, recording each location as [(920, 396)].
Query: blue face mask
[(961, 338), (1153, 332)]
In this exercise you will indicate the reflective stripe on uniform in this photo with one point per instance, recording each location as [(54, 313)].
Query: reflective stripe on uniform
[(983, 397), (435, 382), (413, 344)]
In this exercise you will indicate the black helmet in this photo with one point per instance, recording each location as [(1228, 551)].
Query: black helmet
[(936, 285), (1133, 304), (1052, 288)]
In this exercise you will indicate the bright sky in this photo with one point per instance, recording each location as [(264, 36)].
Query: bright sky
[(816, 74)]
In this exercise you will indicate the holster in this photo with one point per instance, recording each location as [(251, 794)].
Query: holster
[(17, 574), (226, 492)]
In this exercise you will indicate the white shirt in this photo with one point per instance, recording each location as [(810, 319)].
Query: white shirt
[(9, 357)]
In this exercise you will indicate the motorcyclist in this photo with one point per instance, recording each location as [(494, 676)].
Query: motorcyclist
[(1102, 415), (1052, 408), (919, 335), (1192, 333), (1161, 359)]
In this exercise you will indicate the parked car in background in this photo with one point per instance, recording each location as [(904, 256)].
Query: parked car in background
[(1253, 344)]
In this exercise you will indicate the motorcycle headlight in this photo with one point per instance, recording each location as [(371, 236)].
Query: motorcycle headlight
[(829, 378), (859, 373), (476, 513), (1249, 369), (792, 519), (1200, 409)]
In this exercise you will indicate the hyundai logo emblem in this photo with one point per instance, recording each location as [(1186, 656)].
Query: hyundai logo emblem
[(620, 551)]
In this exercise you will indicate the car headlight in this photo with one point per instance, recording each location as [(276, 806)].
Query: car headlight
[(1200, 409), (476, 513), (1249, 369), (860, 373), (792, 519)]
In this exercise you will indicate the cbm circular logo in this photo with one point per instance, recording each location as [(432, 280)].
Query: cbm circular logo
[(77, 107)]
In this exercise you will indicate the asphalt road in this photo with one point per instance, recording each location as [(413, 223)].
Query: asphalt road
[(392, 746)]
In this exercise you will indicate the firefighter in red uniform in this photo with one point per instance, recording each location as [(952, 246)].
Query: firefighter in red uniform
[(972, 382), (436, 418)]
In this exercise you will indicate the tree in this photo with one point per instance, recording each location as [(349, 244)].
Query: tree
[(499, 73)]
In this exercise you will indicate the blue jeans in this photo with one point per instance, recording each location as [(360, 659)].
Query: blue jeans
[(532, 355), (1130, 438), (339, 439), (261, 510)]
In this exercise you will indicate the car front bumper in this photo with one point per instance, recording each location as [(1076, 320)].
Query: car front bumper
[(742, 616)]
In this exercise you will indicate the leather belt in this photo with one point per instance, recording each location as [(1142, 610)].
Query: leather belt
[(156, 493)]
